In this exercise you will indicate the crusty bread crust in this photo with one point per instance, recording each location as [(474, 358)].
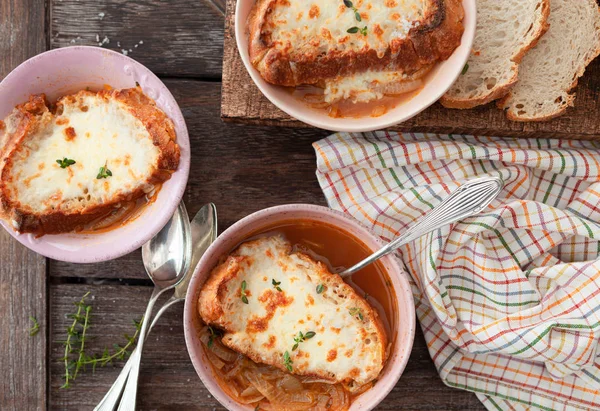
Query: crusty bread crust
[(499, 92), (29, 116), (502, 103), (435, 39), (214, 293), (570, 98)]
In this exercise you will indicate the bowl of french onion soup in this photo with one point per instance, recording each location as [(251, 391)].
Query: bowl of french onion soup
[(269, 324), (354, 65), (94, 154)]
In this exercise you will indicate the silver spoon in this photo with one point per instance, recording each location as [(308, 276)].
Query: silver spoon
[(203, 232), (467, 200), (166, 259)]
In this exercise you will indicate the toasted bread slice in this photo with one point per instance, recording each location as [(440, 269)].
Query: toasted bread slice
[(264, 295), (506, 30), (550, 71), (295, 42), (50, 174)]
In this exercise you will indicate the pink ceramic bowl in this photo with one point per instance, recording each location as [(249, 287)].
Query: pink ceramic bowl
[(440, 81), (245, 227), (68, 70)]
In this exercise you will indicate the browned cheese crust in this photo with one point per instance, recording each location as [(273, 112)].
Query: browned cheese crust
[(434, 40), (214, 307), (29, 117)]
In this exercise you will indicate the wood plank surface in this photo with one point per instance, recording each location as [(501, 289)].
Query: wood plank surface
[(178, 38), (168, 380), (243, 102), (22, 272)]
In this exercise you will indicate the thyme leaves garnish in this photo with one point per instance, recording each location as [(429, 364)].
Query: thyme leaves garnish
[(75, 357), (320, 288), (244, 293), (357, 16), (356, 312), (104, 172), (276, 284), (213, 334), (301, 337), (287, 361), (35, 328), (353, 30), (465, 69), (65, 162)]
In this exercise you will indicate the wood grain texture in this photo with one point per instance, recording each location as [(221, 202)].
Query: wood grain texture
[(22, 272), (240, 169), (168, 380), (243, 102), (180, 37)]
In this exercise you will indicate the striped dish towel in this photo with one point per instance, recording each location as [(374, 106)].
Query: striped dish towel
[(509, 301)]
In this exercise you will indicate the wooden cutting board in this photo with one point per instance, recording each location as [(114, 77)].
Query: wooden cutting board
[(242, 102)]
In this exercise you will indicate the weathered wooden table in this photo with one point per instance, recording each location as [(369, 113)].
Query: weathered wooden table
[(240, 168)]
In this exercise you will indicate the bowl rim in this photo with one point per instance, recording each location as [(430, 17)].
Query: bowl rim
[(405, 340), (348, 124), (179, 178)]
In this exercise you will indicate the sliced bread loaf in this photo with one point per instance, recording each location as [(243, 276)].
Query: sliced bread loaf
[(549, 72), (506, 30)]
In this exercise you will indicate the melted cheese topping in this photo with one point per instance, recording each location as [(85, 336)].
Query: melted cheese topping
[(362, 87), (298, 25), (345, 347), (93, 132)]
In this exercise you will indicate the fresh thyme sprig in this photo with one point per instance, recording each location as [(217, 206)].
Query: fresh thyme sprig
[(353, 30), (287, 361), (75, 357), (65, 162), (244, 293), (276, 284), (357, 16), (35, 328), (104, 172), (356, 312), (301, 337), (213, 334)]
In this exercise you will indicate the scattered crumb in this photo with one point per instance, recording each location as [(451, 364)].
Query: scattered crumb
[(118, 44), (97, 38), (101, 15), (125, 52)]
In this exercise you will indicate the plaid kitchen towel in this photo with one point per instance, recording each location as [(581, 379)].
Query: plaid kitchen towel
[(509, 300)]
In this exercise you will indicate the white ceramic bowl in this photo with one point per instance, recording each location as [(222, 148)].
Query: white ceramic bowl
[(443, 76), (68, 70), (405, 329)]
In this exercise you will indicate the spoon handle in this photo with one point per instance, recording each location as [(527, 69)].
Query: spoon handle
[(130, 394), (469, 199), (111, 399)]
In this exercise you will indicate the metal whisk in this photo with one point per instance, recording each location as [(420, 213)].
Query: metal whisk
[(467, 200)]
